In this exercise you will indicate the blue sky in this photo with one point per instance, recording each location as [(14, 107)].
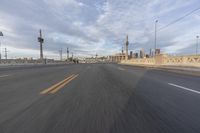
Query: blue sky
[(88, 27)]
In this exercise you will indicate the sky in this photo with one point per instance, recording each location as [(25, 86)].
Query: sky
[(88, 27)]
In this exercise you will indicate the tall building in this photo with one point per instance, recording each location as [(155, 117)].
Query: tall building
[(157, 51), (142, 54), (131, 54)]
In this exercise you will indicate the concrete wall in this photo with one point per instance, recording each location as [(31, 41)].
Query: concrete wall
[(193, 60), (27, 61), (190, 60)]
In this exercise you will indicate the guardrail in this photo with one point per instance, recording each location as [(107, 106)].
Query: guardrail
[(28, 62)]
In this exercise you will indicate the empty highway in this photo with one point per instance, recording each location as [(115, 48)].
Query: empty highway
[(97, 98)]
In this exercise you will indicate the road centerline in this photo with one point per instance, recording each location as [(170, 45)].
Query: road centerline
[(184, 88), (62, 85), (58, 85)]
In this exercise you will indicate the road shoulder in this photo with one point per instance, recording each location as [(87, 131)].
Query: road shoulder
[(194, 71)]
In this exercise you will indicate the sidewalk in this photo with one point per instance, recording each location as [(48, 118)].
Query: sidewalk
[(183, 68), (178, 69)]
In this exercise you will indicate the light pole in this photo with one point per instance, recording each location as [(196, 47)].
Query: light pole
[(60, 52), (155, 35), (1, 34), (126, 45), (197, 44), (41, 41), (67, 53)]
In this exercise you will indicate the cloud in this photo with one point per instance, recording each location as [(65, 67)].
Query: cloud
[(97, 26)]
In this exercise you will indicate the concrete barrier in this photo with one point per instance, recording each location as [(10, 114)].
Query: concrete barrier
[(16, 62), (165, 60)]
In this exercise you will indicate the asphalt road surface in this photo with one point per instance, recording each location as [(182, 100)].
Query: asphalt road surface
[(98, 98)]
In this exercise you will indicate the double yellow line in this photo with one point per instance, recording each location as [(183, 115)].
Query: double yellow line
[(53, 89)]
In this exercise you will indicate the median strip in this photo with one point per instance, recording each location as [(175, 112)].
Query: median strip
[(53, 89)]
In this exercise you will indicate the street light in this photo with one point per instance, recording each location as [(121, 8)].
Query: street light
[(155, 35), (67, 53), (1, 34), (197, 44)]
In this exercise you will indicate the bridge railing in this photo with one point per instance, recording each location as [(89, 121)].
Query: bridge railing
[(189, 60), (26, 61), (149, 61)]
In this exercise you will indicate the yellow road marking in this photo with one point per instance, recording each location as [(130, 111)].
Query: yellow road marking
[(54, 86), (58, 85), (62, 85)]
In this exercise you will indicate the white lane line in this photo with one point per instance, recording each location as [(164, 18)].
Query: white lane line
[(88, 67), (121, 68), (2, 76), (185, 88)]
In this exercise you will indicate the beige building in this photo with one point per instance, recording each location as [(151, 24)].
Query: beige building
[(117, 57)]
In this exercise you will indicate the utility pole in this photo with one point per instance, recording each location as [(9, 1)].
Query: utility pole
[(6, 54), (197, 45), (122, 50), (150, 53), (72, 55), (96, 56), (60, 52), (41, 41), (1, 34), (155, 36), (126, 44), (67, 53)]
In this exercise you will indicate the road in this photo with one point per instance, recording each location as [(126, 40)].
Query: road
[(98, 98)]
